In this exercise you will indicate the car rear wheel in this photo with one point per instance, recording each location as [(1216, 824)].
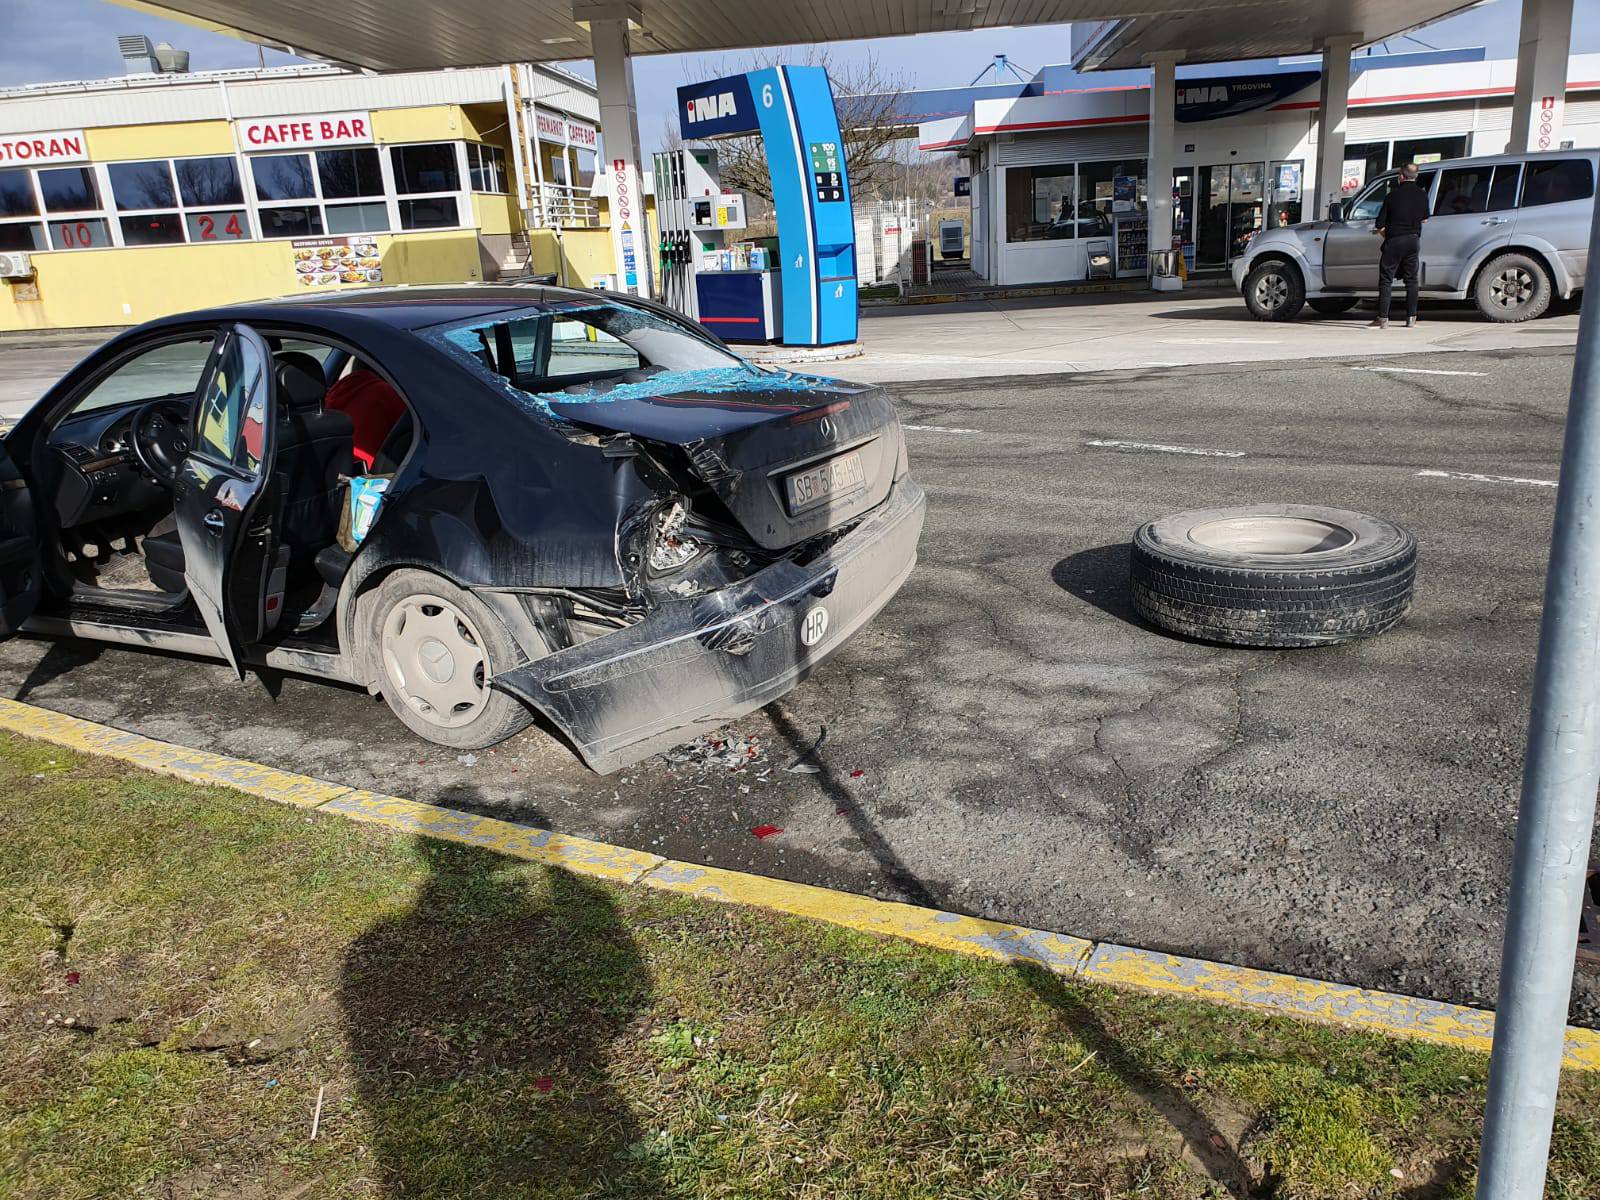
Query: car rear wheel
[(1513, 287), (1273, 575), (1274, 291), (1332, 306), (437, 647)]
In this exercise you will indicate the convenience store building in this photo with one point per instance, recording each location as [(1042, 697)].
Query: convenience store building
[(1059, 176), (142, 195)]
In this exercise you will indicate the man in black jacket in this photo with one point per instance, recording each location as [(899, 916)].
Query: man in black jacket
[(1399, 223)]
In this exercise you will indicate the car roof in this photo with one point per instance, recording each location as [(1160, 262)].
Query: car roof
[(404, 306), (1487, 159)]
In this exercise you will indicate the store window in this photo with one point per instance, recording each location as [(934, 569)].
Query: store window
[(586, 165), (281, 177), (1041, 202), (69, 189), (17, 201), (487, 167), (422, 169), (79, 233), (1429, 150), (1363, 161), (1107, 189), (349, 173), (1557, 181), (1287, 184)]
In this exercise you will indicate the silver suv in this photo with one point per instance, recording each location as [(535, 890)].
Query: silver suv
[(1509, 232)]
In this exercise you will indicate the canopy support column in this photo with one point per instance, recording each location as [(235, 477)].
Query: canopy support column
[(1540, 99), (619, 128), (1158, 171), (1332, 112)]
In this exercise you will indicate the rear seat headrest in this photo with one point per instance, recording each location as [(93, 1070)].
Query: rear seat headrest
[(300, 383)]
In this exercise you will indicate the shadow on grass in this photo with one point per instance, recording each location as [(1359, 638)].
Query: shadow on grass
[(479, 1023)]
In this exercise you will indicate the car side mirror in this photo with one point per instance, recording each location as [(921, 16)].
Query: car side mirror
[(1336, 210)]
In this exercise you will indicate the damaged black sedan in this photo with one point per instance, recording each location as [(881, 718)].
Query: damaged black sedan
[(483, 503)]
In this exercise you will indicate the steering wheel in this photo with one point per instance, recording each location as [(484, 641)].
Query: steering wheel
[(158, 439)]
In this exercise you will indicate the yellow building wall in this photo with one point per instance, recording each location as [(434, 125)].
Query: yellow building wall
[(495, 214), (434, 123), (160, 141), (90, 288), (578, 257)]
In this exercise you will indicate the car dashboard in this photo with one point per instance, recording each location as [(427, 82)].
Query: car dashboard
[(98, 474)]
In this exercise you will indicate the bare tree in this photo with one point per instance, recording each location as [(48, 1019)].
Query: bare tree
[(870, 105)]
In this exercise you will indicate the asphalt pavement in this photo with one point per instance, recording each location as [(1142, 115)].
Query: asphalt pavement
[(1007, 739)]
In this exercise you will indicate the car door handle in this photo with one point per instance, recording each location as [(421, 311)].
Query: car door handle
[(1494, 220), (214, 519)]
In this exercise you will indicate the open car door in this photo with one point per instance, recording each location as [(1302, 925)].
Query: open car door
[(20, 564), (222, 501)]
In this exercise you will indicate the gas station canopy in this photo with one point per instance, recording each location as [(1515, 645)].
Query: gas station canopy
[(402, 35)]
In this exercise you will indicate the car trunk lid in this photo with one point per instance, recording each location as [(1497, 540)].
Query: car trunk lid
[(789, 457)]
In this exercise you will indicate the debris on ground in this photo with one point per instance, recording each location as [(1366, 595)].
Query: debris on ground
[(765, 831), (806, 764), (728, 752)]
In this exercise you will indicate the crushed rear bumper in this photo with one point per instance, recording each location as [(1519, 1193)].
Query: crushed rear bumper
[(693, 664)]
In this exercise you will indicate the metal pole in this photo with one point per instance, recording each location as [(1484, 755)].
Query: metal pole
[(1558, 802)]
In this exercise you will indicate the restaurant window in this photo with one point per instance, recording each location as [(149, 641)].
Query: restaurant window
[(17, 201), (419, 170), (79, 233), (487, 167), (585, 160), (306, 195), (348, 173), (208, 182), (69, 189), (1040, 203), (139, 188), (430, 167)]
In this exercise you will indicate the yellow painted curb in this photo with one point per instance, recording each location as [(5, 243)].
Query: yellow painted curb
[(1120, 966), (927, 926), (196, 766)]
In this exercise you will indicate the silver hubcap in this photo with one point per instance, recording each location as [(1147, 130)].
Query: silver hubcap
[(435, 661), (1511, 288), (1271, 291)]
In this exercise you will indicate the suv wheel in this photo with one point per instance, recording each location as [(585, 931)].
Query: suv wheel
[(1274, 291), (436, 647), (1513, 287)]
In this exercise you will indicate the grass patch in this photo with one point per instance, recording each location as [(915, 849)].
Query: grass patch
[(183, 969)]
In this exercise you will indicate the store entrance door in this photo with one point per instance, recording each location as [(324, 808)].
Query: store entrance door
[(1231, 197)]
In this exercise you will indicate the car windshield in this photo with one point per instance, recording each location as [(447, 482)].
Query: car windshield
[(590, 351)]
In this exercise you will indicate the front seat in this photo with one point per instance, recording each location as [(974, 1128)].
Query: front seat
[(315, 448)]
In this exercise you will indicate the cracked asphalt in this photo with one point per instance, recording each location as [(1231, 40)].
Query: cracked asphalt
[(1007, 739)]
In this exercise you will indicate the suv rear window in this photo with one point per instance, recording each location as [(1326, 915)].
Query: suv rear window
[(1556, 181), (1483, 188)]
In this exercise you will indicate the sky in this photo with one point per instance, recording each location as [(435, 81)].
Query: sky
[(47, 40)]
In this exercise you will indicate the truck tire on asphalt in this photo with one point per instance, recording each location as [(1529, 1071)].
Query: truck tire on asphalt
[(1512, 287), (1274, 291), (1273, 574)]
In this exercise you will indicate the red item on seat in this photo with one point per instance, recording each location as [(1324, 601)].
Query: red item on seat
[(374, 408)]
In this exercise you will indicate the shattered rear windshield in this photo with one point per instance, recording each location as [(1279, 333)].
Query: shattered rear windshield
[(592, 352)]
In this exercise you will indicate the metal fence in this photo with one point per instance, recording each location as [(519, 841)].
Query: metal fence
[(557, 205)]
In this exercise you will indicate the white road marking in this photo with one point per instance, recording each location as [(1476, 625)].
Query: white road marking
[(1158, 448), (940, 429), (1418, 371), (1474, 477)]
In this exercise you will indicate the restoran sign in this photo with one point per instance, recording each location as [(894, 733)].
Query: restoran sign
[(61, 146), (327, 129)]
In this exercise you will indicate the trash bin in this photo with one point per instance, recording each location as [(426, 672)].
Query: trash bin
[(1163, 263), (1099, 260)]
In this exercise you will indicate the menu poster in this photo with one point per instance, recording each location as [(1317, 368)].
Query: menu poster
[(336, 261)]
